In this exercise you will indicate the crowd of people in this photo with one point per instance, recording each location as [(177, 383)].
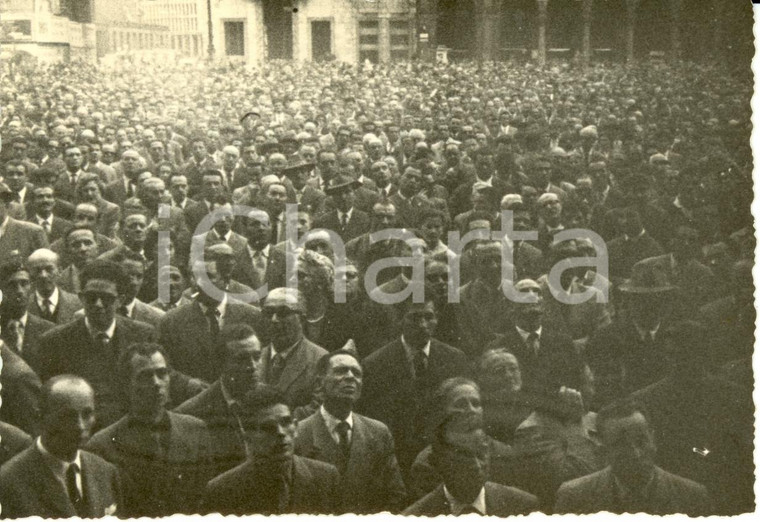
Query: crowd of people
[(201, 314)]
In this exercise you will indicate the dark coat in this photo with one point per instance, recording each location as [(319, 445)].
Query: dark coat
[(372, 481), (356, 226), (12, 441), (35, 327), (501, 501), (624, 253), (20, 239), (393, 396), (29, 488), (20, 392), (185, 335), (194, 212), (313, 491), (68, 303), (669, 494), (58, 228), (274, 275), (299, 374), (158, 482)]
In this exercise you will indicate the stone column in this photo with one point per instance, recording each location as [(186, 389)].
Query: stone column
[(630, 8), (542, 5), (675, 29), (384, 37), (586, 37), (298, 52)]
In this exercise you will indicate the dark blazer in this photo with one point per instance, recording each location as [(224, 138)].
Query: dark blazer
[(407, 209), (12, 441), (115, 192), (20, 392), (236, 241), (69, 348), (669, 494), (141, 312), (501, 501), (312, 200), (696, 284), (624, 253), (158, 482), (35, 327), (313, 490), (372, 481), (356, 226), (364, 200), (20, 238), (29, 488), (275, 271), (299, 375), (194, 212), (391, 395), (485, 313), (185, 335), (58, 229), (108, 218), (226, 438)]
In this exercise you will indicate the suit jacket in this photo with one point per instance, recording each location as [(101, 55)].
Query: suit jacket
[(313, 490), (58, 228), (371, 482), (274, 275), (20, 238), (35, 327), (68, 303), (141, 312), (235, 240), (696, 284), (12, 441), (108, 218), (393, 396), (299, 374), (20, 392), (115, 192), (211, 407), (69, 348), (194, 212), (669, 494), (68, 280), (501, 501), (312, 200), (356, 226), (624, 253), (486, 313), (407, 209), (29, 488), (185, 335), (158, 482)]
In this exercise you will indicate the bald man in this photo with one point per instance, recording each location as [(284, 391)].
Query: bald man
[(47, 300), (55, 478)]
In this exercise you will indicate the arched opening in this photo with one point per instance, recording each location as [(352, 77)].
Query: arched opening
[(652, 33), (456, 27)]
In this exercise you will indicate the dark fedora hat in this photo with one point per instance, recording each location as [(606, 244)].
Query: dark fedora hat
[(293, 170), (341, 182), (647, 277), (270, 147)]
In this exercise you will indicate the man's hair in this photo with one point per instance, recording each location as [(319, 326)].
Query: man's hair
[(441, 395), (212, 172), (132, 211), (259, 399), (107, 271), (619, 410), (324, 362), (78, 229), (11, 267), (15, 163), (430, 213), (124, 363), (235, 332), (43, 186), (47, 388)]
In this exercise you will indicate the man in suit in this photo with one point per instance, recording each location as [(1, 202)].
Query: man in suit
[(632, 246), (131, 307), (401, 376), (41, 212), (81, 249), (65, 185), (126, 186), (211, 187), (359, 447), (20, 392), (48, 301), (308, 198), (17, 238), (219, 405), (346, 220), (260, 263), (133, 231), (16, 175), (12, 441), (283, 482), (151, 192), (89, 190), (631, 483), (55, 478), (190, 333), (408, 199), (462, 460), (163, 457), (222, 230), (20, 330), (290, 360)]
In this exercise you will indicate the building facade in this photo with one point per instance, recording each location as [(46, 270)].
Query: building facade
[(122, 28), (186, 21)]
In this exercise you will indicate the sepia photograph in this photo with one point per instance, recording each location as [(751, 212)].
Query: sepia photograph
[(377, 257)]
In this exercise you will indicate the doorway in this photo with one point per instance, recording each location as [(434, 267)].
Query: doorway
[(321, 40), (234, 38), (278, 24)]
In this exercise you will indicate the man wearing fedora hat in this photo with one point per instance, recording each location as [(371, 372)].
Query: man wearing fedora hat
[(626, 355), (308, 198), (17, 238), (346, 220)]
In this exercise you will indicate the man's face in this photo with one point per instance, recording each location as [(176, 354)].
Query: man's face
[(15, 177), (148, 384), (73, 158), (82, 247), (501, 371), (464, 463), (242, 364), (327, 162), (249, 154), (464, 407), (381, 173), (213, 279), (551, 209), (529, 313), (284, 325), (272, 434), (178, 188), (258, 230), (199, 150), (151, 193), (100, 299), (224, 224), (230, 160), (19, 151), (383, 216), (212, 186), (69, 416), (135, 227), (131, 162), (44, 200), (344, 199), (276, 163), (44, 272), (85, 216), (437, 280), (343, 379), (629, 448), (419, 324), (276, 197), (304, 223), (135, 272), (16, 293), (432, 230), (308, 154), (411, 183)]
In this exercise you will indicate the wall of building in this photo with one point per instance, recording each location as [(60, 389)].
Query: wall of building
[(342, 16), (248, 12)]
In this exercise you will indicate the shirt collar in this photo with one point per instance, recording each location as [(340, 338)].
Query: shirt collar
[(4, 225), (53, 298), (348, 214), (228, 398), (21, 193), (456, 507), (332, 421), (110, 331), (41, 220), (285, 353), (264, 251), (57, 466), (524, 333), (224, 238), (410, 350), (643, 333), (222, 306), (130, 307)]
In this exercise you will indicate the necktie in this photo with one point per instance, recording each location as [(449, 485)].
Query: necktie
[(15, 335), (124, 311), (131, 190), (73, 182), (102, 339), (17, 197), (343, 444), (46, 227), (71, 486), (213, 321), (47, 309), (420, 364), (283, 494), (275, 370), (532, 343), (343, 220)]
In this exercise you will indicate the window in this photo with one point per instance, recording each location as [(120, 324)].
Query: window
[(234, 38)]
